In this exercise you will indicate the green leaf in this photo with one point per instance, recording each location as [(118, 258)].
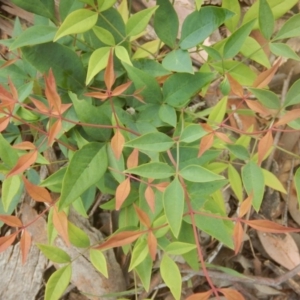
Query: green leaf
[(178, 61), (254, 183), (54, 181), (238, 151), (280, 49), (122, 54), (265, 19), (293, 96), (173, 199), (78, 237), (192, 133), (105, 4), (171, 276), (235, 42), (179, 248), (180, 87), (99, 261), (67, 6), (89, 164), (218, 112), (154, 141), (10, 188), (166, 22), (266, 98), (235, 182), (290, 28), (67, 67), (97, 62), (77, 21), (104, 36), (54, 254), (144, 270), (297, 183), (88, 113), (58, 283), (43, 8), (196, 173), (273, 182), (150, 88), (234, 6), (34, 35), (8, 154), (168, 115), (117, 165), (201, 24), (155, 170), (139, 253), (138, 22), (151, 67)]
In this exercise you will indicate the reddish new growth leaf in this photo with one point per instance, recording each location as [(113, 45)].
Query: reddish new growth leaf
[(120, 239), (37, 193), (117, 144), (133, 159), (152, 245), (223, 137), (143, 217), (259, 108), (269, 226), (288, 117), (60, 222), (238, 234), (109, 75), (11, 220), (122, 192), (6, 241), (200, 296), (245, 206), (24, 146), (235, 86), (25, 245), (150, 197), (264, 146), (161, 186), (232, 294), (205, 143)]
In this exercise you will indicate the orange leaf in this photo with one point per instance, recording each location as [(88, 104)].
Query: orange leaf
[(11, 220), (269, 226), (117, 144), (288, 117), (264, 78), (231, 294), (37, 193), (238, 234), (246, 205), (5, 95), (152, 244), (109, 75), (162, 186), (223, 137), (6, 241), (54, 131), (150, 197), (60, 222), (205, 143), (23, 163), (13, 90), (4, 121), (40, 105), (25, 245), (120, 239), (258, 108), (122, 192), (200, 296), (51, 92), (121, 88), (143, 217), (264, 146), (235, 86), (133, 159), (24, 146), (97, 95)]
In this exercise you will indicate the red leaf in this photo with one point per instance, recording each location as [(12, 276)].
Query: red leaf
[(11, 220), (162, 186), (54, 131), (133, 159), (264, 146), (245, 206), (121, 88), (200, 296), (40, 105), (97, 95), (238, 234), (6, 241), (288, 117), (23, 163), (4, 121), (37, 193), (152, 244), (235, 86), (143, 217), (232, 294), (60, 222), (13, 90), (120, 239), (258, 108), (264, 78), (109, 75), (269, 226), (25, 245), (51, 92), (24, 146), (223, 137), (6, 96), (117, 144), (122, 192), (205, 143), (150, 197)]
